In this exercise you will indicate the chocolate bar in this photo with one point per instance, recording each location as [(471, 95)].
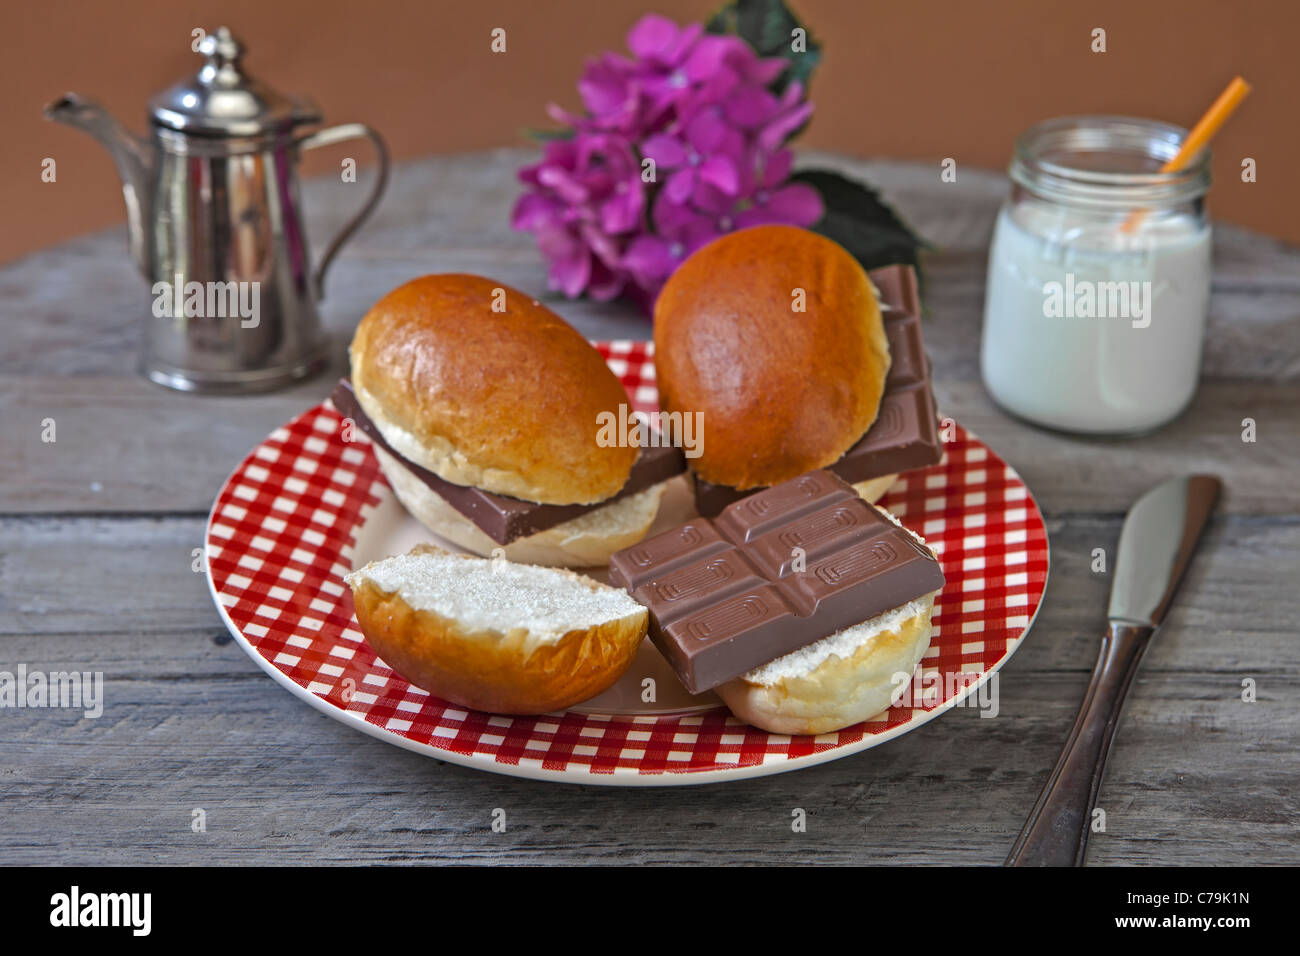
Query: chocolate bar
[(905, 434), (502, 518), (776, 571)]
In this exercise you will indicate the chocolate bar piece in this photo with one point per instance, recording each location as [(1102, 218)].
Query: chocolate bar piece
[(774, 572), (905, 434), (502, 518)]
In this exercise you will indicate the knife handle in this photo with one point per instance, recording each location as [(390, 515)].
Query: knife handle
[(1056, 833)]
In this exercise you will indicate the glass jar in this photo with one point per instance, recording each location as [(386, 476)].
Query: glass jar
[(1098, 278)]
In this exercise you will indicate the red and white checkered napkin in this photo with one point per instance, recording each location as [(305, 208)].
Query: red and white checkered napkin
[(281, 536)]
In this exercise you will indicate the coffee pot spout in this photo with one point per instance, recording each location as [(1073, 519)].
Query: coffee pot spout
[(136, 161)]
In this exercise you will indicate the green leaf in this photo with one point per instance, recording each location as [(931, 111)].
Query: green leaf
[(768, 26), (859, 220)]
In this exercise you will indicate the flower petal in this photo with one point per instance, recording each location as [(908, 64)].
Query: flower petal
[(776, 168), (653, 37), (605, 283), (798, 204), (565, 185), (649, 257), (680, 185), (711, 200), (778, 131), (622, 211), (707, 57), (667, 151), (671, 218), (558, 242), (699, 234), (707, 130), (713, 89), (570, 275), (534, 210), (678, 50), (750, 106), (721, 172), (603, 247), (765, 71), (603, 90), (561, 115)]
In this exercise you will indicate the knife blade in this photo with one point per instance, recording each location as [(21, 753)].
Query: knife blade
[(1156, 545)]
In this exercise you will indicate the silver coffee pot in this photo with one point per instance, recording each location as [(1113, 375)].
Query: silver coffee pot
[(215, 223)]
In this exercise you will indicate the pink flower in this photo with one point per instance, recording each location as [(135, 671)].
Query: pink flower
[(586, 192), (677, 145)]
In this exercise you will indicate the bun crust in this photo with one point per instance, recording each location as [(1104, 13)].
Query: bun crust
[(840, 691), (782, 392), (506, 401), (583, 542), (498, 672)]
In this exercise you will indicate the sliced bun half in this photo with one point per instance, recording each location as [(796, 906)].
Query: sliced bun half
[(773, 333), (493, 635), (484, 386), (842, 679), (583, 542), (838, 681)]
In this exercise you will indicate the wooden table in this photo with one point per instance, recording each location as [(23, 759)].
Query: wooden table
[(97, 532)]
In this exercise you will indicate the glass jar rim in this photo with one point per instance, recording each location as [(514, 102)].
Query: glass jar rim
[(1146, 138)]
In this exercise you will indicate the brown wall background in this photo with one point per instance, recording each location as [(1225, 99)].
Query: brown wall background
[(922, 79)]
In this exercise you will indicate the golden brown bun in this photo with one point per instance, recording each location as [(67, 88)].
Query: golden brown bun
[(782, 392), (502, 671), (505, 401), (839, 691)]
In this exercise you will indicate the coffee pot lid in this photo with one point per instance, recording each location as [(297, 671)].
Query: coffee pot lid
[(223, 100)]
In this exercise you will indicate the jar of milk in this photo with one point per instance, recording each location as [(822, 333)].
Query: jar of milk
[(1099, 277)]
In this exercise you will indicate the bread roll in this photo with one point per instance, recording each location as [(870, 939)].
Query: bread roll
[(507, 401), (582, 542), (838, 681), (842, 679), (782, 391), (496, 636)]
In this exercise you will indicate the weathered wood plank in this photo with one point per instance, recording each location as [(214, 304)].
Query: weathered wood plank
[(1198, 777), (1068, 473)]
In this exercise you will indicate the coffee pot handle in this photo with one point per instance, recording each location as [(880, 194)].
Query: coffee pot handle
[(328, 137)]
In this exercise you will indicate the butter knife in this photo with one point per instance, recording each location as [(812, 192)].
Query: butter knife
[(1156, 544)]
